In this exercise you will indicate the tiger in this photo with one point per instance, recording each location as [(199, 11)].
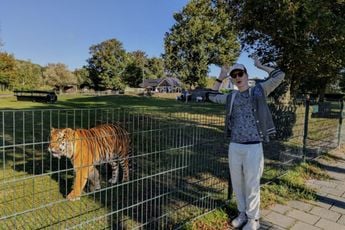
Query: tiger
[(88, 147)]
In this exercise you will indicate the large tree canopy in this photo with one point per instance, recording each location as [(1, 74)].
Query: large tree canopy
[(58, 75), (7, 70), (136, 68), (83, 78), (305, 37), (155, 68), (202, 35), (106, 64), (28, 75), (141, 67)]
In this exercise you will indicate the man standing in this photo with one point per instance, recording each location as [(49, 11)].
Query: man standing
[(248, 123)]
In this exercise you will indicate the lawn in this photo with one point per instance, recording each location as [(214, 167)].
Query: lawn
[(157, 102)]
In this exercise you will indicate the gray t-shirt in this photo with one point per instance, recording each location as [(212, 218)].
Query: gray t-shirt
[(242, 121)]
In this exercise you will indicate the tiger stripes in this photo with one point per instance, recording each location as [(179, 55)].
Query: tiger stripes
[(106, 143)]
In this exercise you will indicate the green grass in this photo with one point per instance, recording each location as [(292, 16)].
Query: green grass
[(113, 101), (217, 219), (291, 185), (33, 194), (6, 92)]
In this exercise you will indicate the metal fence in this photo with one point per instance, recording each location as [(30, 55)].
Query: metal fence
[(178, 171), (179, 168), (305, 130)]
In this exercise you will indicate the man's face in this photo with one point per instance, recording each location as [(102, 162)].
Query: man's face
[(239, 78)]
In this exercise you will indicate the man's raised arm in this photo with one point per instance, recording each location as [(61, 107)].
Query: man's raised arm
[(219, 98)]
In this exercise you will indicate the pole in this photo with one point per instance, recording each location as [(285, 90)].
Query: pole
[(230, 190), (340, 121), (306, 120)]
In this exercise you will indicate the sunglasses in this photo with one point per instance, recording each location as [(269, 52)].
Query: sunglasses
[(237, 74)]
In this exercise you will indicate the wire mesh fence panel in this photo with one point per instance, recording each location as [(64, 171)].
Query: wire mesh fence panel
[(324, 127), (178, 169), (285, 147), (301, 136), (175, 170)]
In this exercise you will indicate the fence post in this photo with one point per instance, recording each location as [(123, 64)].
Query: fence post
[(230, 190), (340, 121), (306, 120)]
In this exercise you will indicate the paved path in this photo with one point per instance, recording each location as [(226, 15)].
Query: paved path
[(328, 212)]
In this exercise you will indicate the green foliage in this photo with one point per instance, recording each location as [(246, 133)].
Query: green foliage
[(7, 70), (136, 68), (57, 75), (18, 74), (106, 65), (223, 90), (28, 75), (83, 78), (133, 75), (141, 67), (202, 35), (305, 38), (155, 67)]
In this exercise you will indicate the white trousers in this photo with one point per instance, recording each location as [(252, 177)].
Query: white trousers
[(246, 164)]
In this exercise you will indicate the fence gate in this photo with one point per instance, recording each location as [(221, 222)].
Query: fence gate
[(178, 171)]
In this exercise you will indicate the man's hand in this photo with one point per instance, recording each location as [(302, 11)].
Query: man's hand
[(259, 65), (257, 62), (224, 72)]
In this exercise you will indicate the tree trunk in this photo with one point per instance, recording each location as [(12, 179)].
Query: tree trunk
[(286, 97), (321, 93)]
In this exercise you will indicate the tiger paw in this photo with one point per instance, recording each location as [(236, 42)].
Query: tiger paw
[(72, 196), (95, 187)]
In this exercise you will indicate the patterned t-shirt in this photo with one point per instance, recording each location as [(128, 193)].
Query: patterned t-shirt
[(242, 121)]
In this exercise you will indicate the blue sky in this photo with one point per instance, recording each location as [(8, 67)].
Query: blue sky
[(47, 31)]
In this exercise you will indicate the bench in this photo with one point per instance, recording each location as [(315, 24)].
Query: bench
[(36, 95)]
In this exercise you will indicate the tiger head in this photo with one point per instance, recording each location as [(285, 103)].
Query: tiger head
[(61, 142)]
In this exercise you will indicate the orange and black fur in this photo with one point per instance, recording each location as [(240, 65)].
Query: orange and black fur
[(107, 143)]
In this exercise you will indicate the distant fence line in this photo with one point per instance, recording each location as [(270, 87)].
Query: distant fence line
[(179, 166)]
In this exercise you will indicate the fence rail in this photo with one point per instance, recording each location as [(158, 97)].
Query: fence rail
[(179, 167)]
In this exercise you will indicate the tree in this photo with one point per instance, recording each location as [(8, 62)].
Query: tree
[(202, 35), (58, 75), (7, 70), (28, 75), (155, 67), (136, 69), (106, 65), (83, 77), (305, 37), (133, 75)]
